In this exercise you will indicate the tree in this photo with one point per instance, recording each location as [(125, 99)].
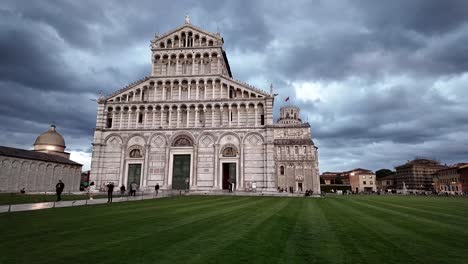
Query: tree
[(383, 173)]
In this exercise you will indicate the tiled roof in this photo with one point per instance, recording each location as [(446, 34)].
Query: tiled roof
[(30, 154)]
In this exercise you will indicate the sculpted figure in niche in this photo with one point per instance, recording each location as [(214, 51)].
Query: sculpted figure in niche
[(135, 153), (229, 152), (183, 142)]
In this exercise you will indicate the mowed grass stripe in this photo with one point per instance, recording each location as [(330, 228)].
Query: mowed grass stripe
[(449, 217), (222, 229), (217, 245), (411, 236), (103, 229), (166, 242), (431, 223), (442, 205), (359, 236), (105, 215)]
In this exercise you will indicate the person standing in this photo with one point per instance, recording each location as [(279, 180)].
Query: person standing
[(133, 188), (110, 191), (254, 186), (156, 188), (91, 190), (59, 189), (122, 190)]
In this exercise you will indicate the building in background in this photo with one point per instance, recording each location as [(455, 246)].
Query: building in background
[(296, 153), (449, 179), (417, 175), (361, 180), (40, 169), (191, 125), (463, 171), (386, 183)]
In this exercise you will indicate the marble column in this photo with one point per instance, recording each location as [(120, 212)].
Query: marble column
[(123, 147), (144, 181), (178, 117)]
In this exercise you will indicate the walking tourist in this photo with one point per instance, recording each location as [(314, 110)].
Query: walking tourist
[(59, 189), (110, 190), (254, 186), (156, 188), (133, 188), (122, 190), (91, 190)]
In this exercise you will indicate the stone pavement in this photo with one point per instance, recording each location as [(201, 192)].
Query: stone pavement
[(117, 199)]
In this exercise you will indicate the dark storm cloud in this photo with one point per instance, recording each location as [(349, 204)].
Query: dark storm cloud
[(410, 59)]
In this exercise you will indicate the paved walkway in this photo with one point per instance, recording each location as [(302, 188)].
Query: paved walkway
[(48, 205)]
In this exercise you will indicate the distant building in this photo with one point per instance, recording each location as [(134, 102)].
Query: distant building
[(357, 180), (40, 169), (463, 171), (328, 178), (417, 174), (362, 180), (386, 183), (449, 180)]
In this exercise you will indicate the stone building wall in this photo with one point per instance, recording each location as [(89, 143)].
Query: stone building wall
[(36, 176)]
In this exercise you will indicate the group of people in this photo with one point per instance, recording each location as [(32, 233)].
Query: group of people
[(110, 190), (91, 190), (290, 189)]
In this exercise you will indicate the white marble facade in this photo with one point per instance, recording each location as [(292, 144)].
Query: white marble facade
[(190, 105)]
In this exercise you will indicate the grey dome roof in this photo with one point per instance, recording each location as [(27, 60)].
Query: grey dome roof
[(50, 137)]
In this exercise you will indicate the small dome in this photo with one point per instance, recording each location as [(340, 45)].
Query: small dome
[(50, 138)]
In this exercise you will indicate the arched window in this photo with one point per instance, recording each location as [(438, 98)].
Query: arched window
[(296, 150), (287, 150), (282, 170)]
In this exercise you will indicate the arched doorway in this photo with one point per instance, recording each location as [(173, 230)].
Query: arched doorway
[(181, 156)]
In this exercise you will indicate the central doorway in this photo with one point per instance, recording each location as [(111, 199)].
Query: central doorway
[(134, 174), (229, 175), (181, 172)]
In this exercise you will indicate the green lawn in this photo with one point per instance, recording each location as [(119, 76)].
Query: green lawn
[(223, 229), (16, 198)]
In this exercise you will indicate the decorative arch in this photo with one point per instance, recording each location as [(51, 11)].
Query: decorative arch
[(182, 141), (229, 150), (158, 140), (248, 139), (206, 139), (135, 138), (226, 135), (136, 152), (187, 135)]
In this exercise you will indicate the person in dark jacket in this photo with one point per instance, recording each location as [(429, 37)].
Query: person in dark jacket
[(122, 190), (110, 190), (156, 188), (59, 189)]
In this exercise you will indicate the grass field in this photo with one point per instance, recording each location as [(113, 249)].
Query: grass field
[(223, 229)]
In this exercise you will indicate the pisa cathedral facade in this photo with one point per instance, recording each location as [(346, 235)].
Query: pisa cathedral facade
[(191, 125)]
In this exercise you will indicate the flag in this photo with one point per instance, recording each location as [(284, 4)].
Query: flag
[(287, 99)]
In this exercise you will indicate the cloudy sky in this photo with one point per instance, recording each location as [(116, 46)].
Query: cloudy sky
[(380, 82)]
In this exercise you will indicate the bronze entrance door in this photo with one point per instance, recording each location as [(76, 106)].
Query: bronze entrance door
[(229, 174), (134, 174), (181, 172)]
